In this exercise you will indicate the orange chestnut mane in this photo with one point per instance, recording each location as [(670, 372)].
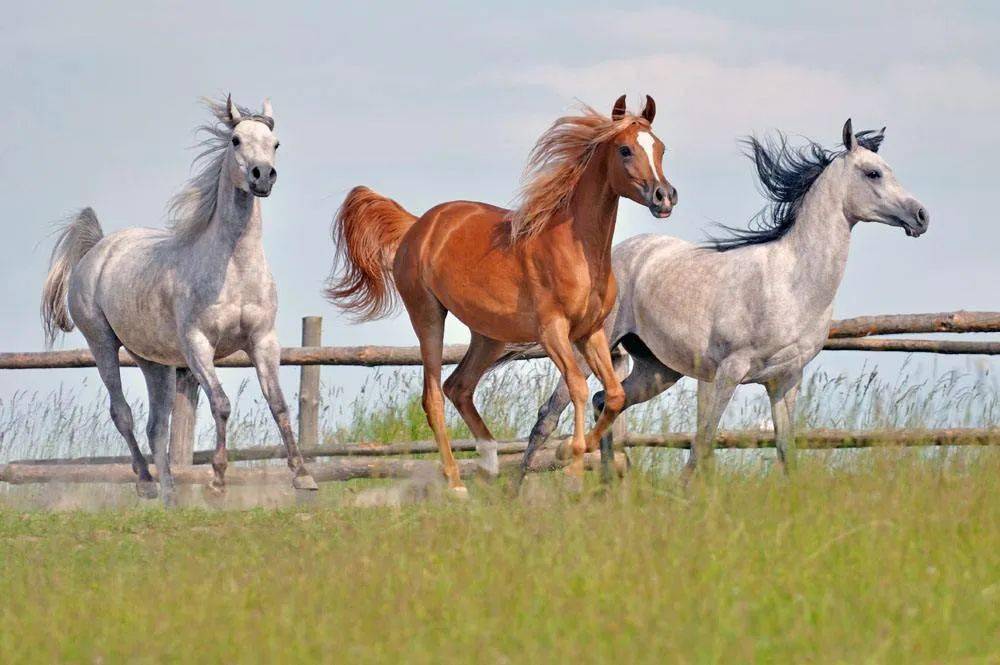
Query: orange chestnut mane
[(556, 164)]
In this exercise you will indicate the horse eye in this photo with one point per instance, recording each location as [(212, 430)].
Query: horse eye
[(236, 141), (873, 174), (277, 145), (625, 151)]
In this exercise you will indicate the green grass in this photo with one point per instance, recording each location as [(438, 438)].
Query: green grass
[(895, 559), (885, 555)]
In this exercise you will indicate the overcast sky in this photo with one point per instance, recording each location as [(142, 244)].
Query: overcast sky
[(432, 104)]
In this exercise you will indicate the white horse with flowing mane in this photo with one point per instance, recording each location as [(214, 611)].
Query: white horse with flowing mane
[(754, 307), (183, 296)]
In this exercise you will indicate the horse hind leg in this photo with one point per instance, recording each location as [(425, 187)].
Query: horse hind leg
[(104, 345), (548, 419), (160, 385), (648, 378), (460, 388), (427, 316)]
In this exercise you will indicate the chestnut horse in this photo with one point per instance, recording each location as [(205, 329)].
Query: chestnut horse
[(539, 273)]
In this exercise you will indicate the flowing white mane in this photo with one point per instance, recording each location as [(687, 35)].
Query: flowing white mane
[(190, 210)]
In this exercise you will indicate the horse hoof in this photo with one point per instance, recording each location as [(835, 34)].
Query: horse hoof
[(486, 473), (460, 492), (146, 489), (170, 498), (216, 488), (305, 482)]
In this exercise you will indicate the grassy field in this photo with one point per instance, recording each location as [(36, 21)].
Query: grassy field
[(886, 555), (894, 560)]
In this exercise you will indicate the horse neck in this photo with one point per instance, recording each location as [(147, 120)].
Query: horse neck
[(820, 239), (236, 223), (593, 210)]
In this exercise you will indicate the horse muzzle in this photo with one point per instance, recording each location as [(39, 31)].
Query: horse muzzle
[(661, 212), (917, 222), (260, 190), (261, 179), (662, 200)]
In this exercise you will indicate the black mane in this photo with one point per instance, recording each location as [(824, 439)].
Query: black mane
[(786, 174)]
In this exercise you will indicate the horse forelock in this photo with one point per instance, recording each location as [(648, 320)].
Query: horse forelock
[(263, 119), (557, 162)]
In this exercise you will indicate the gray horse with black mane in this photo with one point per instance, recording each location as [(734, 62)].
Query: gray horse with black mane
[(183, 296), (753, 307)]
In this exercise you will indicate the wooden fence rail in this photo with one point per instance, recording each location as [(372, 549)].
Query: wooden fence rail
[(815, 439), (844, 336), (344, 468), (892, 324)]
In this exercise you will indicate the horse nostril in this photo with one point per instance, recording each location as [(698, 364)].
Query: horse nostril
[(922, 215), (255, 172), (274, 173), (673, 196), (659, 195)]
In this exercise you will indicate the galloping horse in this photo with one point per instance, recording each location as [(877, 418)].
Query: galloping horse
[(541, 272), (180, 297), (754, 307)]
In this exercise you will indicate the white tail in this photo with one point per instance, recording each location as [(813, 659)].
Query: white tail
[(74, 240)]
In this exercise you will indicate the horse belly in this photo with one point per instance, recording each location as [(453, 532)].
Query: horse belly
[(150, 333), (144, 322), (493, 313), (680, 353)]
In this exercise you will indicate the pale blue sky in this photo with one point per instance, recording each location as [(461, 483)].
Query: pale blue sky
[(431, 103)]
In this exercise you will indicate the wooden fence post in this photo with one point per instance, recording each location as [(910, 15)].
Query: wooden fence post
[(312, 335), (184, 419)]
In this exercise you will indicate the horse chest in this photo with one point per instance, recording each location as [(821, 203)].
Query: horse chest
[(237, 307), (585, 302)]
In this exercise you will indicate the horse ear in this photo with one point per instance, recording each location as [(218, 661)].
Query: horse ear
[(850, 141), (877, 140), (267, 108), (234, 113), (618, 111), (649, 110)]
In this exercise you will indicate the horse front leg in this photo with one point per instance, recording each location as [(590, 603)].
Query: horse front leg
[(713, 398), (199, 353), (597, 353), (265, 353), (554, 338)]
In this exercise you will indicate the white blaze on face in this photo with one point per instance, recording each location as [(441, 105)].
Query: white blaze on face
[(647, 143)]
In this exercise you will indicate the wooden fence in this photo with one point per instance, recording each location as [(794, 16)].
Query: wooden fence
[(370, 460)]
